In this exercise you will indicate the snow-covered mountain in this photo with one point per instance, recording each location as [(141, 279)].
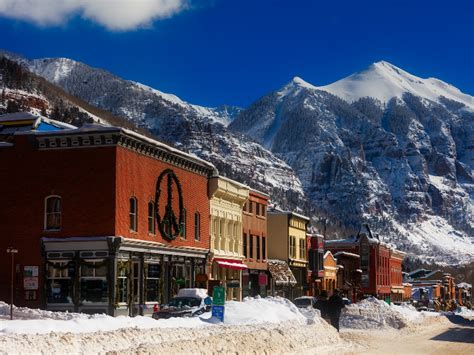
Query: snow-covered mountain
[(192, 128), (401, 159), (381, 146), (384, 81), (82, 80)]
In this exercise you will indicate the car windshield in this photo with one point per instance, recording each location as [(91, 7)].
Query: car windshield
[(303, 302), (180, 302)]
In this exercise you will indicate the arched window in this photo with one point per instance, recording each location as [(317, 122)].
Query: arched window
[(133, 214), (151, 217), (52, 213), (197, 226), (183, 225)]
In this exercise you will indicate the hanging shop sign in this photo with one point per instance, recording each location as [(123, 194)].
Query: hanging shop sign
[(170, 224)]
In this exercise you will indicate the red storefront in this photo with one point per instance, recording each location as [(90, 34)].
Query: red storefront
[(315, 247), (374, 262), (104, 220), (255, 278)]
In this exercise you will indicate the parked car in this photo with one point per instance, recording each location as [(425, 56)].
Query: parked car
[(305, 302), (190, 302), (346, 301)]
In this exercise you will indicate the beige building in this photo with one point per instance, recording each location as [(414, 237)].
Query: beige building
[(288, 233), (227, 198)]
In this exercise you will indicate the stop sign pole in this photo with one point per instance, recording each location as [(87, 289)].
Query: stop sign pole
[(12, 251)]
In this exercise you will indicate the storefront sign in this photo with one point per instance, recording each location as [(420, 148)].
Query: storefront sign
[(30, 283), (218, 296), (233, 283), (218, 312), (171, 222), (262, 279), (201, 278), (30, 271)]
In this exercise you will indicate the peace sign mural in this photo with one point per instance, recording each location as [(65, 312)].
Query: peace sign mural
[(170, 223)]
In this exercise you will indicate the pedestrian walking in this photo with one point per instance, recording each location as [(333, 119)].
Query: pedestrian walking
[(335, 304)]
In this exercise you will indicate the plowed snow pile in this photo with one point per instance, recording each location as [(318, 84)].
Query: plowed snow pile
[(272, 325), (372, 313)]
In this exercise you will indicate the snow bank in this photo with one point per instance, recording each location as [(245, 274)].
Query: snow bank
[(372, 313), (270, 325), (251, 311)]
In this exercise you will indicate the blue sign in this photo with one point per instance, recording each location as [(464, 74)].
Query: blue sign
[(218, 312)]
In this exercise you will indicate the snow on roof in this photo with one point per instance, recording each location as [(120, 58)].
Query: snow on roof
[(464, 285), (278, 211), (281, 272), (345, 253), (327, 253), (17, 116)]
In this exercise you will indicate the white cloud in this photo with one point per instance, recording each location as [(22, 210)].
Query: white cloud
[(117, 15)]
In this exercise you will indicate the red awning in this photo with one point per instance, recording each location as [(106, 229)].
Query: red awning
[(231, 264)]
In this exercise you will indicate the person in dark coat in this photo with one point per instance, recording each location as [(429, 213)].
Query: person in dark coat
[(335, 304), (322, 304)]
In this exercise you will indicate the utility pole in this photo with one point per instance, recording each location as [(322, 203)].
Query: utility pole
[(12, 251)]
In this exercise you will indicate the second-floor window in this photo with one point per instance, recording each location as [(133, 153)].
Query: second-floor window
[(245, 245), (151, 217), (53, 210), (302, 249), (258, 248), (133, 214), (292, 247), (264, 248), (183, 225), (197, 226), (251, 246)]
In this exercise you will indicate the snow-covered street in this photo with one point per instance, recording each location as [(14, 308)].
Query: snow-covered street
[(271, 325)]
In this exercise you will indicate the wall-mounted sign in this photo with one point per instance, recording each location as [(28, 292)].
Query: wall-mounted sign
[(171, 222), (30, 271), (30, 283), (262, 279)]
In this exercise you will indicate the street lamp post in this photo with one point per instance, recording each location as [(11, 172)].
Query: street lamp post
[(12, 251)]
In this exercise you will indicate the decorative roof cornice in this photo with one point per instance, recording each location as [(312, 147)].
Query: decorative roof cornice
[(94, 136)]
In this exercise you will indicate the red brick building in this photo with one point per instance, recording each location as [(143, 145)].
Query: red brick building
[(104, 219), (376, 275), (315, 247), (255, 238)]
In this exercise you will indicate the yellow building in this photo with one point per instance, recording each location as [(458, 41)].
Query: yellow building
[(227, 198), (287, 231), (330, 273)]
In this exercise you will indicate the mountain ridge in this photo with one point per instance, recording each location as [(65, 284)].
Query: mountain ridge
[(403, 165)]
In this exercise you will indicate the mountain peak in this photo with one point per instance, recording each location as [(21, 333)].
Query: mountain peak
[(384, 81)]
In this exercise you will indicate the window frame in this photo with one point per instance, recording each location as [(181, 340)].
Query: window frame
[(197, 226), (46, 213), (133, 228), (151, 218)]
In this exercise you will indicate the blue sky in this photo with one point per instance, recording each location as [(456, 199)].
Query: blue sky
[(233, 52)]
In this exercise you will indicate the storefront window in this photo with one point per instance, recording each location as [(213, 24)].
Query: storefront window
[(94, 281), (59, 281), (122, 282), (152, 284)]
